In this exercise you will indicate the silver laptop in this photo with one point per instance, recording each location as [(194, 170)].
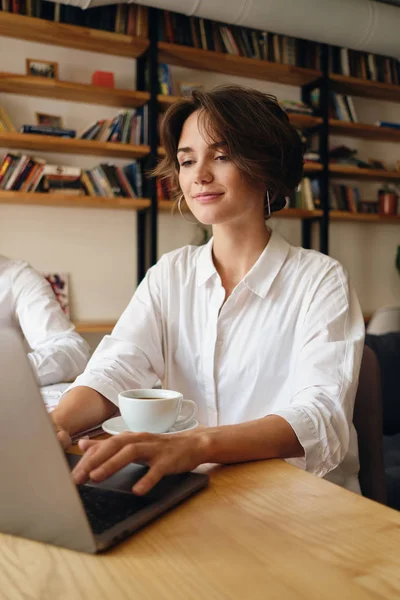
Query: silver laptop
[(38, 497)]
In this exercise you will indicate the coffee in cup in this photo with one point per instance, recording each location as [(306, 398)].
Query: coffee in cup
[(153, 410)]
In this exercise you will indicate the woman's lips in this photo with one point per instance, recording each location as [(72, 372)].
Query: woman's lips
[(206, 198)]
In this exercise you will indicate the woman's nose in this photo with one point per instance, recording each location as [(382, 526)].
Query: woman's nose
[(203, 172)]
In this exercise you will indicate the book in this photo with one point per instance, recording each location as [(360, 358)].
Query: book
[(387, 124), (60, 287), (48, 130)]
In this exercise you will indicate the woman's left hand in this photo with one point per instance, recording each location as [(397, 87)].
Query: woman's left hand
[(164, 454)]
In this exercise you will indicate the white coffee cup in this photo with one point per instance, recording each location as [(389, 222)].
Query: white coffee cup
[(154, 410)]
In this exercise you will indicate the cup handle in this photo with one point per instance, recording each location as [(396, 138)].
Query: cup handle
[(185, 420)]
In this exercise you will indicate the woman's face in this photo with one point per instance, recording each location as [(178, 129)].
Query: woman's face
[(213, 187)]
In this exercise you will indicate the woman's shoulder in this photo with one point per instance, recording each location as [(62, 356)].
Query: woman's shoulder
[(313, 261), (10, 267)]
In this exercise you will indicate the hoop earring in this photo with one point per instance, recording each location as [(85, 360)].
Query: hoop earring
[(268, 206), (181, 213)]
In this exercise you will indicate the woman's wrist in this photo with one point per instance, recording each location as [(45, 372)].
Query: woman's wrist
[(204, 443)]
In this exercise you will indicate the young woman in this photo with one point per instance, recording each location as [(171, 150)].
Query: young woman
[(265, 337)]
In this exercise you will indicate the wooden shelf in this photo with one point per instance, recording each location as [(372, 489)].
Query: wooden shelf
[(166, 101), (94, 326), (13, 83), (70, 36), (65, 200), (366, 89), (304, 121), (349, 172), (362, 130), (312, 167), (340, 215), (207, 60), (48, 143)]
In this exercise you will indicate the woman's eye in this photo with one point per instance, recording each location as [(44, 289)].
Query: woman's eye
[(222, 157), (186, 163)]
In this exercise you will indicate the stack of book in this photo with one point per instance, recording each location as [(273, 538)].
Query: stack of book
[(128, 127), (129, 19), (237, 41), (111, 181), (344, 197), (20, 172), (364, 65), (342, 108)]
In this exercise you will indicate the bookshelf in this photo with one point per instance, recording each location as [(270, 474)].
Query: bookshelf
[(208, 60), (71, 36), (48, 143), (14, 83), (350, 172), (364, 131), (352, 86), (347, 217), (39, 199)]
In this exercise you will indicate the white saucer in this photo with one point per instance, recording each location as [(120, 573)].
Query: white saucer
[(117, 425)]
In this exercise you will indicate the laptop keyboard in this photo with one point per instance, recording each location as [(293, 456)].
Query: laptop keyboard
[(105, 508)]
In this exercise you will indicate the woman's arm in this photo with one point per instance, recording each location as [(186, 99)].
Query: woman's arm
[(325, 373), (80, 409), (270, 437), (59, 353), (131, 357)]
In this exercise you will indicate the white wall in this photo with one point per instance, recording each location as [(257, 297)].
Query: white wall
[(98, 247)]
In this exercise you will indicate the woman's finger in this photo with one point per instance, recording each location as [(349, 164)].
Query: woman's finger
[(95, 455), (125, 456), (85, 444), (148, 481)]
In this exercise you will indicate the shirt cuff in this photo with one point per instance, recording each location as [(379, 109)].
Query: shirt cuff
[(98, 385), (313, 460)]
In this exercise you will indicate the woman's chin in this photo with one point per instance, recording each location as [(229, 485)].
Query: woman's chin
[(209, 216)]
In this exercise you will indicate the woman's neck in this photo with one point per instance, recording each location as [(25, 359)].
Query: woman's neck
[(236, 250)]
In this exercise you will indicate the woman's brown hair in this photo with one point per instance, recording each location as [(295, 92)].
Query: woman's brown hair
[(260, 139)]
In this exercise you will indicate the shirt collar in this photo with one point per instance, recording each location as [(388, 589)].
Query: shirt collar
[(262, 274), (205, 264)]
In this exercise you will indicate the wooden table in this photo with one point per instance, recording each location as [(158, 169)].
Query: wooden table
[(260, 531)]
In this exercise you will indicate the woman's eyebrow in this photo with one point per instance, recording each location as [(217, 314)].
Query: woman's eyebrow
[(185, 149), (214, 146)]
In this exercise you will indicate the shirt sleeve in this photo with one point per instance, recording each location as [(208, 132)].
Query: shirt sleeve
[(58, 352), (132, 356), (325, 375)]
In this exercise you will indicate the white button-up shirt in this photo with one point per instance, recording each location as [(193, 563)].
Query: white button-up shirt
[(288, 341), (28, 305)]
